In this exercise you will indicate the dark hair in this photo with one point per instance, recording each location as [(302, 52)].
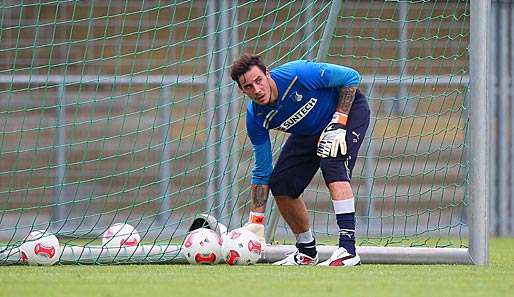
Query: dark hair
[(243, 65)]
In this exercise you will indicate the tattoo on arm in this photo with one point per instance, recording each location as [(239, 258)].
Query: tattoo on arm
[(346, 96), (259, 197)]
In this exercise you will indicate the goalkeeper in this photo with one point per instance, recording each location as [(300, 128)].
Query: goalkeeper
[(327, 117)]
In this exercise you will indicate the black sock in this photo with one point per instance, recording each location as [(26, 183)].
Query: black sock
[(308, 249), (346, 223)]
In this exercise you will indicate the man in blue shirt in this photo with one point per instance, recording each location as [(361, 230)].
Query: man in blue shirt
[(327, 117)]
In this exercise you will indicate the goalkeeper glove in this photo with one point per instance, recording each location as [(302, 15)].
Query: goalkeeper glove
[(333, 137), (256, 225)]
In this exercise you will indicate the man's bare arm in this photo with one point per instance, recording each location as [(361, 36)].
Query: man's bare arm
[(346, 96), (259, 198)]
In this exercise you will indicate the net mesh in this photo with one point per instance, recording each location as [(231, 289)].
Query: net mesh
[(124, 111)]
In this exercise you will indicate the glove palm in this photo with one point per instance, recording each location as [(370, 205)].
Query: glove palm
[(333, 138)]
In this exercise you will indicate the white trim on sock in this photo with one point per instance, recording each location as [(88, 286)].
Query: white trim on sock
[(344, 206), (304, 237)]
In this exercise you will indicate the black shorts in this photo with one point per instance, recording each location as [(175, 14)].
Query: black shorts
[(298, 162)]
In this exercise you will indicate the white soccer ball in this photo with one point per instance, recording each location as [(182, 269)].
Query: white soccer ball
[(121, 235), (40, 248), (202, 246), (241, 247)]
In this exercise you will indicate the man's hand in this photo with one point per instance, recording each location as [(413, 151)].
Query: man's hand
[(333, 138)]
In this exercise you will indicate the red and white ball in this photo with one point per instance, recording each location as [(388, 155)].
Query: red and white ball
[(121, 235), (202, 246), (40, 248), (241, 247)]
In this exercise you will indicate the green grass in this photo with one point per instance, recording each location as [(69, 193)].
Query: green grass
[(497, 279)]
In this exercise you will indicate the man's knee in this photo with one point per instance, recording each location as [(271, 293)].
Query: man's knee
[(283, 198), (340, 190), (340, 184)]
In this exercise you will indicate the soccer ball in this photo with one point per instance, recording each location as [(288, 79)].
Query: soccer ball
[(202, 246), (241, 247), (40, 248), (121, 235)]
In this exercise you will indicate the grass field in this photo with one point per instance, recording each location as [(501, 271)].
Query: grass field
[(497, 279)]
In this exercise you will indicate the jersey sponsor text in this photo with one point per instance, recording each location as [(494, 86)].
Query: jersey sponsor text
[(297, 116)]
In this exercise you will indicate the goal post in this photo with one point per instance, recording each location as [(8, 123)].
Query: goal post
[(124, 112), (478, 185)]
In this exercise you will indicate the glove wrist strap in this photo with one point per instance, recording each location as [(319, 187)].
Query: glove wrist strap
[(256, 218), (340, 118)]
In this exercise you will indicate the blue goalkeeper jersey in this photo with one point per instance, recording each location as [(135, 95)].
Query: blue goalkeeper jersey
[(307, 96)]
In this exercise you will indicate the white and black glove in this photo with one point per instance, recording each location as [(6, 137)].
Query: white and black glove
[(333, 137)]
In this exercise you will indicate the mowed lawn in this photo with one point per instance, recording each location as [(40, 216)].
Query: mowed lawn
[(262, 280)]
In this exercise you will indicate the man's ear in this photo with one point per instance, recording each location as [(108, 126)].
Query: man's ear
[(238, 86), (268, 74)]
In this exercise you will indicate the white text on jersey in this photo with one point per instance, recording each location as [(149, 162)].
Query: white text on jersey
[(297, 116)]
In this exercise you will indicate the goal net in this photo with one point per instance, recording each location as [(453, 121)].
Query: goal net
[(124, 112)]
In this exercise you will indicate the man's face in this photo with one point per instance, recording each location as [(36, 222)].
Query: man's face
[(255, 84)]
